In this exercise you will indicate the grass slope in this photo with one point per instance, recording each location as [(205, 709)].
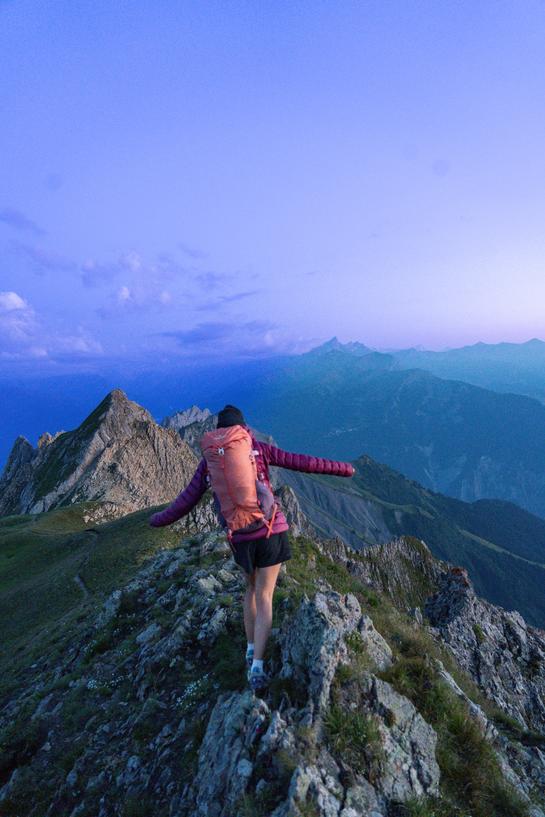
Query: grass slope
[(54, 572)]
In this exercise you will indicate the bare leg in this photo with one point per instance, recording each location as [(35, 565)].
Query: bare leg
[(265, 583), (249, 606)]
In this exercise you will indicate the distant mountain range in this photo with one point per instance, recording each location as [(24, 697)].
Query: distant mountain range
[(459, 439), (400, 407), (503, 367)]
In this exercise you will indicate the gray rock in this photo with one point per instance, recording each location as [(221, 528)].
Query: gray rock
[(212, 628), (224, 757), (208, 585), (149, 634), (361, 799), (376, 646), (313, 643), (503, 655), (409, 767), (110, 609)]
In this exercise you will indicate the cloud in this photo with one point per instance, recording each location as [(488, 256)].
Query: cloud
[(44, 260), (16, 219), (94, 274), (80, 344), (209, 279), (192, 252), (124, 295), (222, 300), (24, 335), (17, 321), (10, 301), (241, 339), (142, 276), (142, 296)]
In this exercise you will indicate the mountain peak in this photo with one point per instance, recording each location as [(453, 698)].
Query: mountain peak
[(186, 417), (118, 456), (115, 411), (335, 345)]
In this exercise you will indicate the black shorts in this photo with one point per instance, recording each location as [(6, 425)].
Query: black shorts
[(262, 552)]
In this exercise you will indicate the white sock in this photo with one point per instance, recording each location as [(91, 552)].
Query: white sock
[(257, 665), (249, 649)]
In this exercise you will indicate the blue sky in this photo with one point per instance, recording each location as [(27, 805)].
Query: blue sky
[(179, 179)]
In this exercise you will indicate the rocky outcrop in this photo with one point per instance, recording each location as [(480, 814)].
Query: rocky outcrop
[(245, 740), (403, 568), (191, 434), (16, 475), (145, 709), (118, 457), (503, 655), (182, 419), (298, 522)]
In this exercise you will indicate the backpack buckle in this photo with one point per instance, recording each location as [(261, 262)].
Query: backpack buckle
[(221, 451)]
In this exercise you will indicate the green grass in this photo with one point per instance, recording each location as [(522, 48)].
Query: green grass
[(470, 772), (515, 731), (352, 736), (479, 634), (427, 807), (42, 608)]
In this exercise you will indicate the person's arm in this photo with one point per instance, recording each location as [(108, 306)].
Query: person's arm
[(304, 462), (185, 501)]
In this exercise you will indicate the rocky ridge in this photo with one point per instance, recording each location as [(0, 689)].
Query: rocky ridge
[(118, 456), (145, 710)]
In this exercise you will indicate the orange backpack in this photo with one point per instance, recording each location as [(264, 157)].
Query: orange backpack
[(243, 502)]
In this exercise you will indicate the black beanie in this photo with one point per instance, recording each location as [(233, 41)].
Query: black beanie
[(230, 416)]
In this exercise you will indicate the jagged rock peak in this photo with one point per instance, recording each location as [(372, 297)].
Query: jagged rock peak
[(21, 449), (118, 456), (181, 419), (20, 455), (117, 403), (46, 438)]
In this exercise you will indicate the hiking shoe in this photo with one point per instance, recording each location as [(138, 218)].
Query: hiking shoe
[(249, 662), (258, 679)]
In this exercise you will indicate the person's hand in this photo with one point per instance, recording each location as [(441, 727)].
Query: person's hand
[(353, 470)]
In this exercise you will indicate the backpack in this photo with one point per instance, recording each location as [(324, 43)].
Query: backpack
[(242, 501)]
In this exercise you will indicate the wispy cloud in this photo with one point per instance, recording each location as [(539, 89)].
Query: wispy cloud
[(238, 338), (42, 259), (211, 279), (222, 300), (192, 252), (19, 221), (24, 335), (128, 299), (95, 274)]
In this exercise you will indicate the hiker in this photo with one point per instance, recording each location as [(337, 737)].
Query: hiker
[(255, 525)]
